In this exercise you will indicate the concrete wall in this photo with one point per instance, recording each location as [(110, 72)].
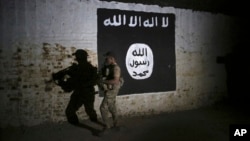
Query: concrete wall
[(38, 38)]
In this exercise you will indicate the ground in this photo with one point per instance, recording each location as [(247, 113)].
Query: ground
[(205, 124)]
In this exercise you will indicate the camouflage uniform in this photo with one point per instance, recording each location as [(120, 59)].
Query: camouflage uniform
[(109, 101)]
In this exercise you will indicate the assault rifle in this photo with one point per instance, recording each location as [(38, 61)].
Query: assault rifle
[(63, 79)]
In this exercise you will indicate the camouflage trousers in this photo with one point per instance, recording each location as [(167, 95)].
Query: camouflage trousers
[(109, 106)]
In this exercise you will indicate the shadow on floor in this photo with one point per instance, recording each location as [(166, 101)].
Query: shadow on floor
[(206, 124)]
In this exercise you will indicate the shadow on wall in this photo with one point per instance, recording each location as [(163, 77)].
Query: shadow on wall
[(238, 67), (238, 75)]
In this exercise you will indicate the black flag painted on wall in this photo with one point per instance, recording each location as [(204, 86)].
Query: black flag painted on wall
[(144, 44)]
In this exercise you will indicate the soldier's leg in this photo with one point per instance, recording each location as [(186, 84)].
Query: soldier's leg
[(112, 105), (73, 105), (89, 108), (113, 110), (105, 112)]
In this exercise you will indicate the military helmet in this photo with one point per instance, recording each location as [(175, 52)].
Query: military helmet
[(110, 53), (80, 53)]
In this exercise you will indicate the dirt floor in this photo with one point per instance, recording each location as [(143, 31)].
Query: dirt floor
[(205, 124)]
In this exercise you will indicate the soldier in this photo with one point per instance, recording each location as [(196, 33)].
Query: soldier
[(83, 78), (112, 74)]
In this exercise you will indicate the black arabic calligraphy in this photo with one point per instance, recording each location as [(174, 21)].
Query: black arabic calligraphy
[(141, 52), (144, 73), (137, 63)]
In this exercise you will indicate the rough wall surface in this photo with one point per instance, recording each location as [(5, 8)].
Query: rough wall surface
[(38, 38)]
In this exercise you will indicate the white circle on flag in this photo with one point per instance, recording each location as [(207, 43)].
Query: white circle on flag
[(139, 61)]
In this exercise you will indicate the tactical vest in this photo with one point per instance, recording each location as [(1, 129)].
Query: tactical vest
[(109, 72)]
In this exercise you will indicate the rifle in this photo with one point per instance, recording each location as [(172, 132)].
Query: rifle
[(63, 79)]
